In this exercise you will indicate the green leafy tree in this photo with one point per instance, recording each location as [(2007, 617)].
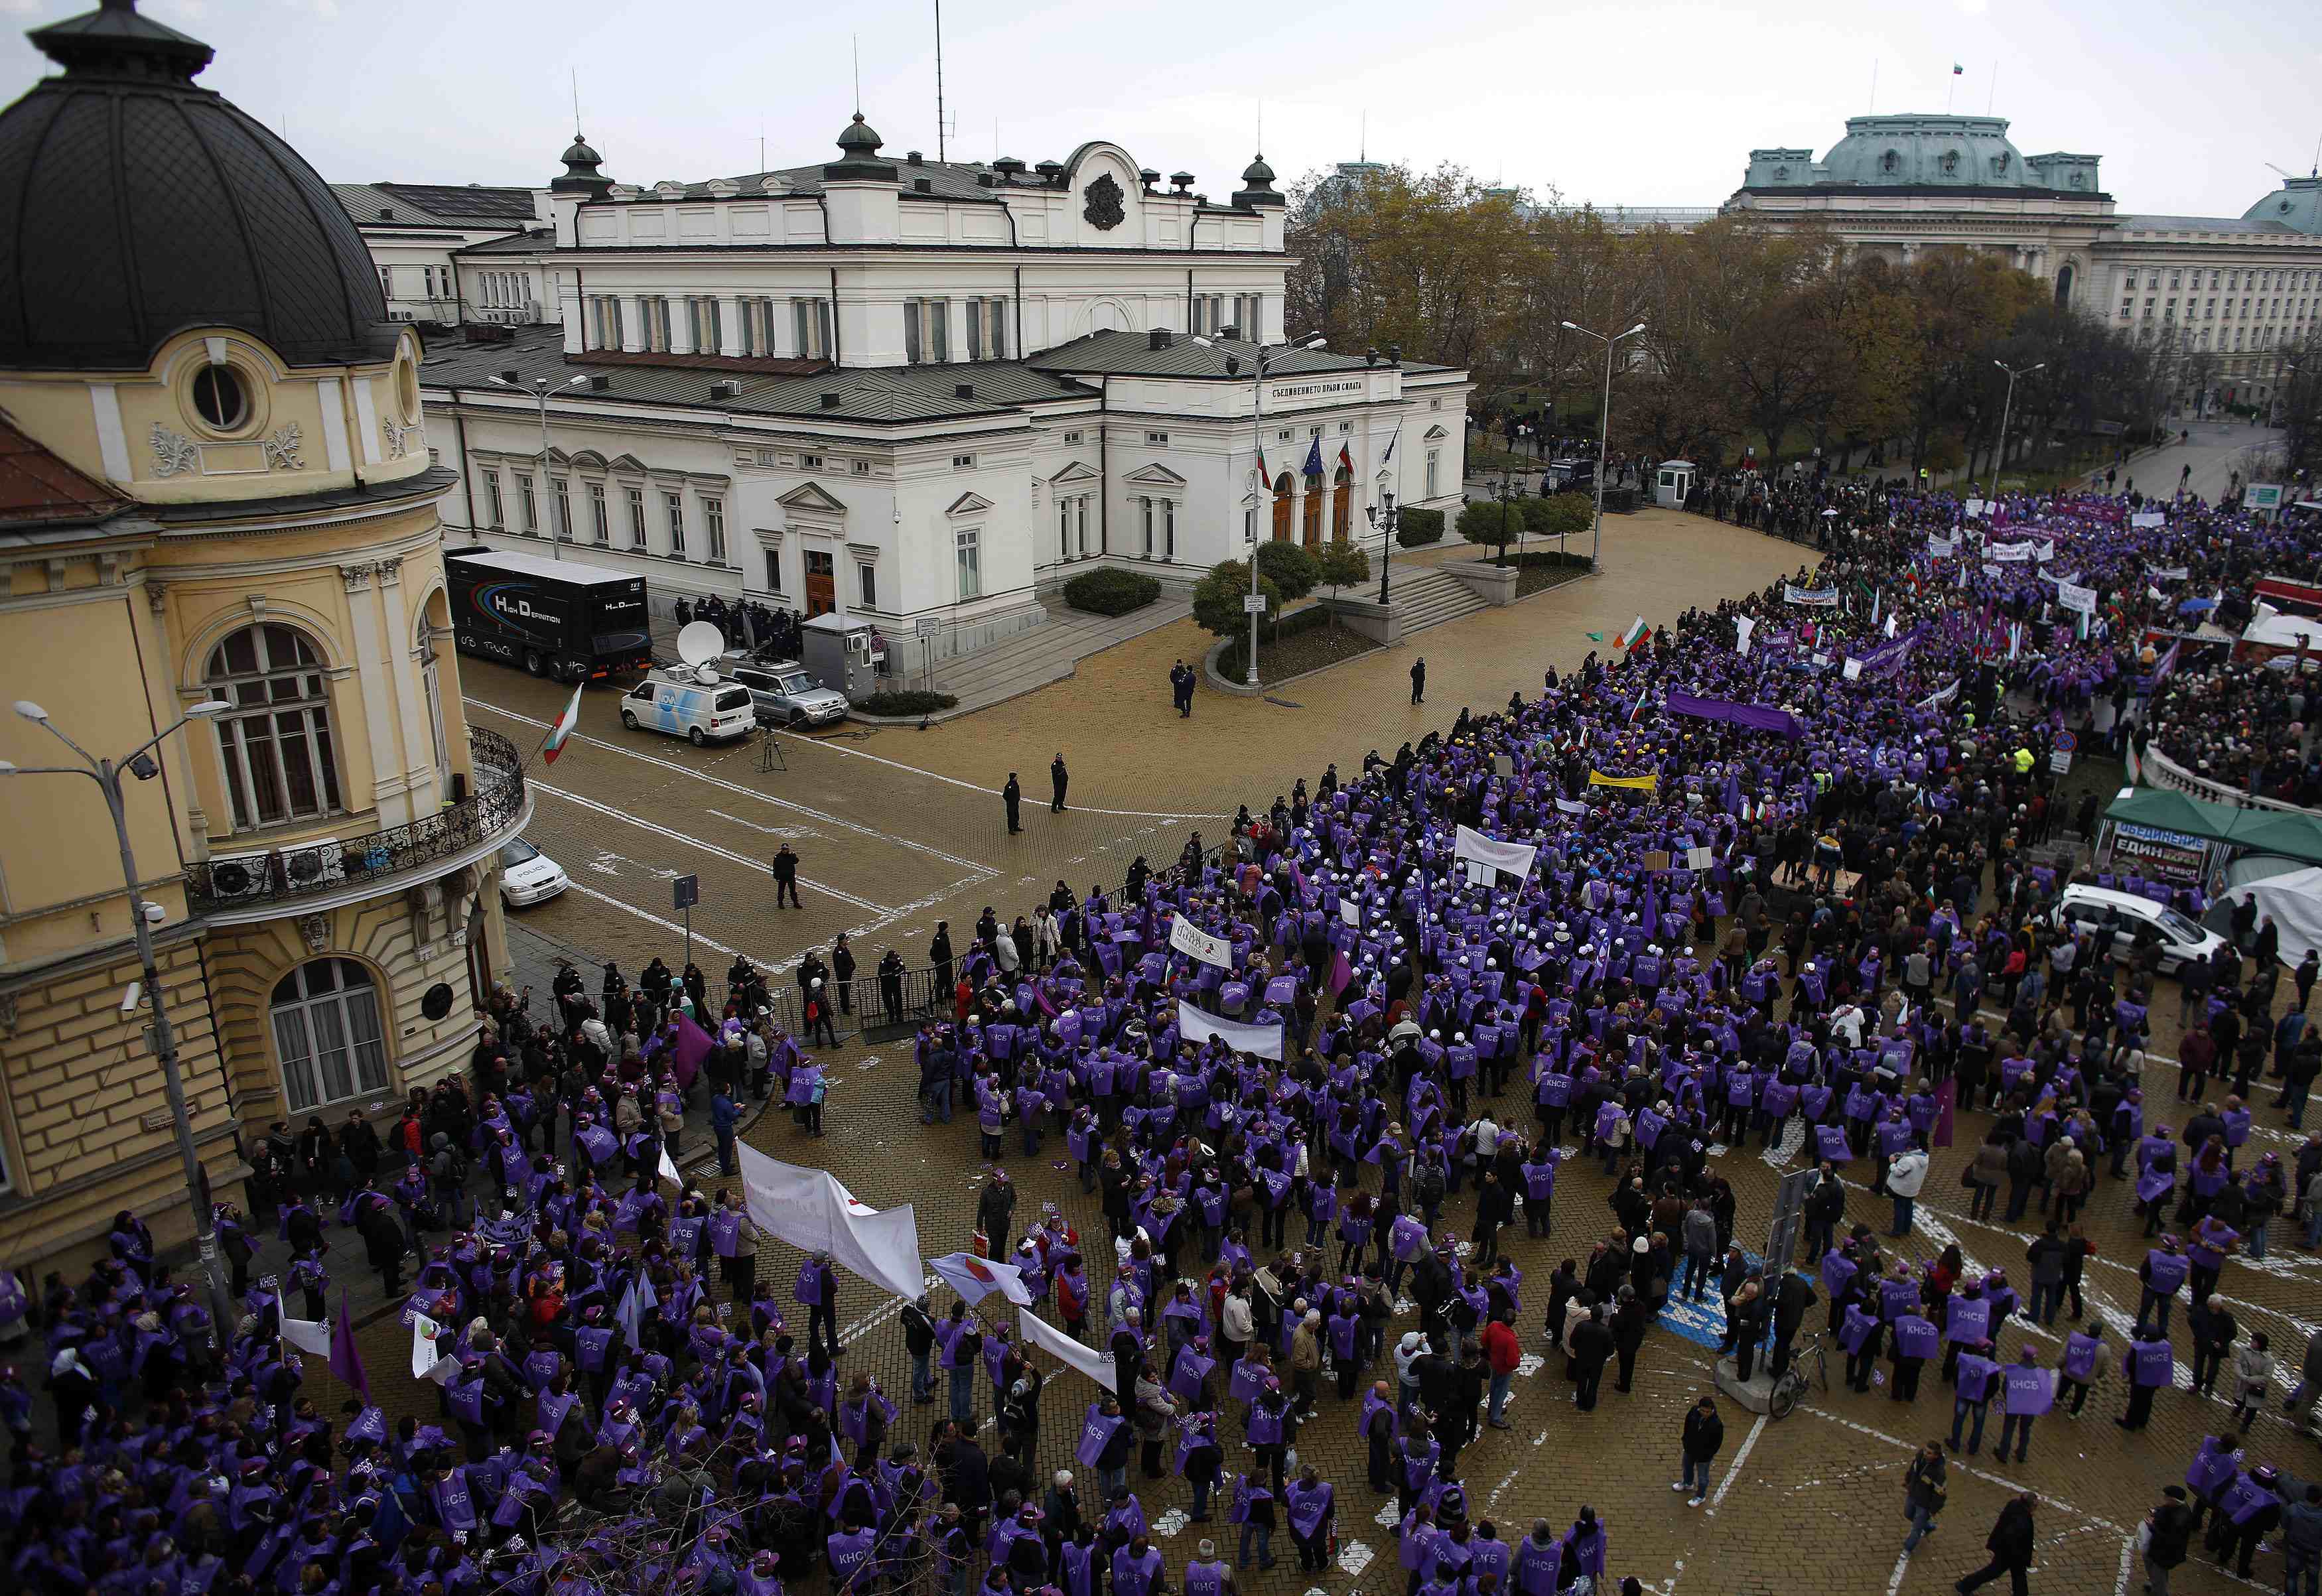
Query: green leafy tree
[(1343, 564), (1217, 598), (1492, 524), (1568, 515), (1289, 566)]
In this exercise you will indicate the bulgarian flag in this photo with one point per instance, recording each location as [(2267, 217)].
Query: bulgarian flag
[(1636, 635), (553, 743)]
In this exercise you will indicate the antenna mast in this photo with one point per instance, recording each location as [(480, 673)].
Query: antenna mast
[(939, 103), (576, 102)]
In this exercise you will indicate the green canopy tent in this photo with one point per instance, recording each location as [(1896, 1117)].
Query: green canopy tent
[(2279, 831)]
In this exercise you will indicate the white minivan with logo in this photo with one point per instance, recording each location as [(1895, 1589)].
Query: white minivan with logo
[(2086, 909), (701, 712)]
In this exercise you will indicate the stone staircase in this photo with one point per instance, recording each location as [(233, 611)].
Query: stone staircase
[(1423, 597), (1047, 652)]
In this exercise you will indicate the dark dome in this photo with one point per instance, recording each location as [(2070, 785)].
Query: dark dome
[(136, 205), (1257, 174), (858, 137)]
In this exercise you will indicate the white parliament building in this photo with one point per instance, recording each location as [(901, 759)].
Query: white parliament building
[(896, 388)]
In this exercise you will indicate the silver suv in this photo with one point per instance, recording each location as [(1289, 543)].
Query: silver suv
[(784, 693)]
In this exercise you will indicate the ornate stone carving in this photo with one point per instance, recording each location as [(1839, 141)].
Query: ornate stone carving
[(399, 440), (356, 577), (390, 571), (1104, 210), (157, 596), (282, 449), (315, 930), (174, 454)]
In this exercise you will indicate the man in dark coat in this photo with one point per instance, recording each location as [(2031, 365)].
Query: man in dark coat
[(1058, 778), (1704, 1435), (384, 1242), (1591, 1344), (1418, 679), (2010, 1546), (1792, 1297), (1012, 796), (785, 876)]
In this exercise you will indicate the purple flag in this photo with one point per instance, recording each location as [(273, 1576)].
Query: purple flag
[(346, 1361), (693, 1045), (1341, 973)]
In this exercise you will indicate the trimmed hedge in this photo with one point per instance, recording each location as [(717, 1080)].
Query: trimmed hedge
[(1111, 591), (1418, 528), (914, 701)]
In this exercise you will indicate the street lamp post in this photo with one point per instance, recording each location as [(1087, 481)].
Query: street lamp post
[(540, 389), (1999, 449), (1266, 353), (1603, 429), (106, 774), (1383, 517)]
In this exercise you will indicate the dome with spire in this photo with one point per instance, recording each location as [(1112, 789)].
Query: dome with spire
[(138, 205), (1257, 185), (858, 155), (582, 175), (2297, 205)]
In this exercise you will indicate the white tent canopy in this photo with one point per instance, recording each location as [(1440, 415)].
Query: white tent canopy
[(2294, 900)]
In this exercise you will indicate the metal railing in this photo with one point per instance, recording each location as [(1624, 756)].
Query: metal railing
[(287, 874)]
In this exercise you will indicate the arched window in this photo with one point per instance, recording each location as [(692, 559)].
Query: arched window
[(275, 742), (327, 1028), (424, 646)]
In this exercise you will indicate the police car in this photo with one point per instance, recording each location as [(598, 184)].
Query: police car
[(690, 702)]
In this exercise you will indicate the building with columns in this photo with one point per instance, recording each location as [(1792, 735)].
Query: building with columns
[(2232, 297), (921, 390), (216, 497)]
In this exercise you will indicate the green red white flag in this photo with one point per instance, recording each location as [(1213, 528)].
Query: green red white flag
[(553, 743), (1634, 635)]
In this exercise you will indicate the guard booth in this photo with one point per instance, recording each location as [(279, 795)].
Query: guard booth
[(1675, 481), (838, 651)]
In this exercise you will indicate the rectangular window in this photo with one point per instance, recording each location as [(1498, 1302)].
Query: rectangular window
[(774, 570), (563, 488), (1156, 437), (1434, 469), (1146, 506), (637, 518), (869, 573), (914, 341), (1072, 437), (810, 462), (387, 282), (1169, 529), (673, 505), (600, 521), (531, 507), (939, 331), (496, 515), (963, 462), (713, 526), (975, 328), (861, 468), (970, 545), (1064, 528), (995, 325)]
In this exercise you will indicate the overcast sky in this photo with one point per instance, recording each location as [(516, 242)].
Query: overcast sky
[(1652, 102)]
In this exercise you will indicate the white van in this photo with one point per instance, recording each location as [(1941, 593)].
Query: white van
[(672, 701), (2087, 908)]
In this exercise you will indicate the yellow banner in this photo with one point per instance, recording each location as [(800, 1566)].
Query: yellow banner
[(1640, 783)]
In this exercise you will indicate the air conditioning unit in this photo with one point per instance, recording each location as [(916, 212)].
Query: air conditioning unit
[(315, 865), (238, 876)]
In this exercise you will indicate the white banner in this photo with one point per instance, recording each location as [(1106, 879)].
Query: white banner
[(975, 1278), (2046, 551), (2073, 596), (1743, 626), (810, 1209), (1516, 858), (1937, 699), (1975, 506), (2008, 553), (308, 1335), (2148, 518), (1196, 1027), (1991, 569), (2171, 573), (1853, 669), (1088, 1360), (1190, 940), (1811, 598), (1943, 548), (1352, 913)]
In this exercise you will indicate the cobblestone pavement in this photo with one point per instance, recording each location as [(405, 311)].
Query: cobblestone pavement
[(895, 828)]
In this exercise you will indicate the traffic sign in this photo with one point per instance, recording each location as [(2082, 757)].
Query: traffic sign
[(1253, 604), (687, 891), (2066, 742), (928, 626)]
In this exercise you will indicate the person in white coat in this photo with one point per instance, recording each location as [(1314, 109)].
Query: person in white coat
[(1906, 1171)]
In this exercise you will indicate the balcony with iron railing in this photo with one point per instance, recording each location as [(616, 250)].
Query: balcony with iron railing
[(322, 874)]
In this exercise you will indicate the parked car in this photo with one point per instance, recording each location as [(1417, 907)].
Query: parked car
[(527, 875), (678, 702), (784, 692), (2086, 909)]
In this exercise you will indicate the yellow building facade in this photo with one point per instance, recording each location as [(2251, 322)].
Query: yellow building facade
[(215, 488)]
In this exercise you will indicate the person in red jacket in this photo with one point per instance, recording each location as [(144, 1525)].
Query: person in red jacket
[(1502, 1353)]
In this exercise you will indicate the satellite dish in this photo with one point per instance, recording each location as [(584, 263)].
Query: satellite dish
[(700, 642)]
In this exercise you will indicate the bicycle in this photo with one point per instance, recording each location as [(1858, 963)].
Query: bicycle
[(1808, 1367)]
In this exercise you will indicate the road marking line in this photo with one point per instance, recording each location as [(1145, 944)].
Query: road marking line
[(1902, 1567), (748, 792), (756, 866), (1740, 1458), (987, 792)]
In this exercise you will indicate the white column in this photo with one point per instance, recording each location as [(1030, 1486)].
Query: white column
[(426, 782), (632, 322), (390, 788), (730, 324), (680, 325)]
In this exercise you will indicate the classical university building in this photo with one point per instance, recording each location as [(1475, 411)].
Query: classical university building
[(214, 485), (2243, 291), (910, 389)]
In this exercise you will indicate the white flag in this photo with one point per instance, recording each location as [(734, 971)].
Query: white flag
[(975, 1278), (309, 1335), (1088, 1360), (669, 1168), (423, 1346), (1190, 940)]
